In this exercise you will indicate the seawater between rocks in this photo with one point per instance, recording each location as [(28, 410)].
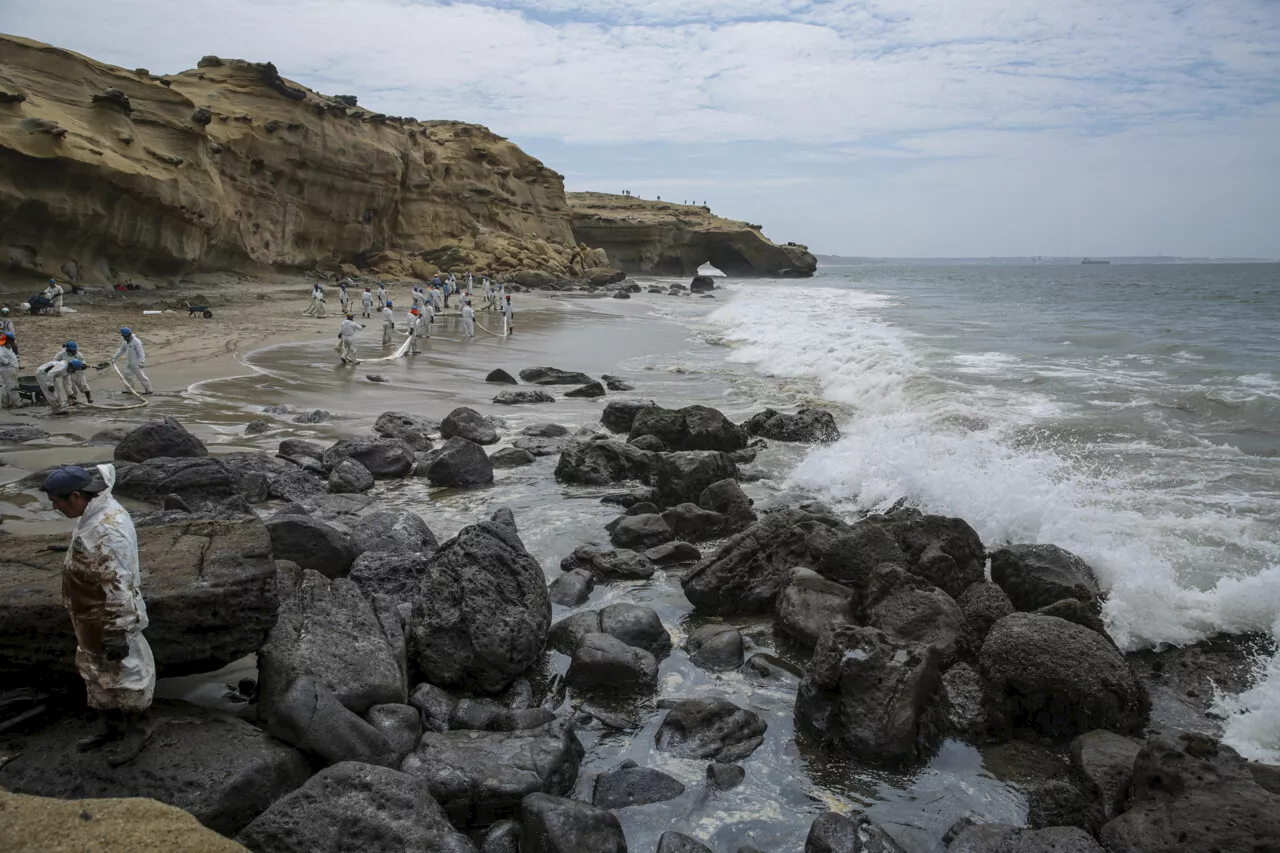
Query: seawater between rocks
[(1129, 414)]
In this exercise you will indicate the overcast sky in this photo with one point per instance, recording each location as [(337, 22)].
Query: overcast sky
[(864, 127)]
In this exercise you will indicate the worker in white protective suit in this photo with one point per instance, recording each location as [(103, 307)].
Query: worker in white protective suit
[(468, 320), (388, 323), (437, 301), (102, 590), (381, 298), (8, 375), (418, 298), (428, 314), (74, 382), (508, 315), (135, 359), (54, 294), (50, 377), (6, 322), (366, 304), (415, 331), (347, 339), (344, 298), (316, 308)]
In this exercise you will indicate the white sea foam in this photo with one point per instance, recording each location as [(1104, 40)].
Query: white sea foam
[(1170, 563)]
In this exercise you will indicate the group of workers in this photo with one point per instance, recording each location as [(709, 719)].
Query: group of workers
[(64, 378), (427, 302)]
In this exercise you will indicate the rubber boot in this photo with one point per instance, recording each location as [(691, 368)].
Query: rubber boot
[(107, 728), (134, 737), (88, 397)]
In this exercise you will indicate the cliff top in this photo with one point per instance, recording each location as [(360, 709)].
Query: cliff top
[(631, 208)]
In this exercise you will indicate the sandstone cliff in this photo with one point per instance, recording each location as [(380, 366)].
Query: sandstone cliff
[(644, 236), (105, 172)]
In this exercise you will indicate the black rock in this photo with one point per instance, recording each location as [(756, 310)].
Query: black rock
[(467, 423), (944, 551), (572, 588), (350, 477), (831, 832), (395, 530), (727, 498), (516, 398), (908, 607), (565, 635), (673, 553), (511, 457), (435, 705), (1035, 576), (413, 429), (460, 463), (316, 416), (632, 785), (482, 613), (481, 777), (401, 725), (386, 458), (690, 428), (501, 376), (636, 625), (1058, 679), (310, 717), (540, 446), (984, 604), (590, 390), (807, 425), (1103, 761), (545, 431), (166, 438), (613, 383), (716, 647), (619, 415), (702, 284), (693, 524), (1006, 838), (601, 462), (810, 604), (601, 660), (20, 434), (257, 427), (553, 376), (396, 574), (683, 477), (312, 544), (966, 704), (355, 801), (621, 294), (612, 564), (502, 837), (872, 696), (558, 825), (725, 777), (709, 728), (641, 531), (299, 448), (677, 842), (651, 443)]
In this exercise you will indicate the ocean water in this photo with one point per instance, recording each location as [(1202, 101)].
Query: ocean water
[(1130, 414)]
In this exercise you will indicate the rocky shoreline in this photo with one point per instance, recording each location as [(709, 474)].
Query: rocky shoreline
[(418, 694)]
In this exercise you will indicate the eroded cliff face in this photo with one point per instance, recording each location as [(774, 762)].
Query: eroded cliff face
[(657, 237), (105, 171)]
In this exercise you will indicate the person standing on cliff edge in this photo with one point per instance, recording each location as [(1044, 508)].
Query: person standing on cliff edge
[(102, 590)]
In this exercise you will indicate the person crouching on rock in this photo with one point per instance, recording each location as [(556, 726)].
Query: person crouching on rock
[(101, 587)]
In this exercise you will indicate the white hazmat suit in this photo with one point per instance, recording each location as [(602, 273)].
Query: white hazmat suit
[(50, 378), (388, 324), (135, 359), (9, 378), (468, 322), (347, 341)]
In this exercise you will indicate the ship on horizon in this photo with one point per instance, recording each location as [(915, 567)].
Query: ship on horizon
[(1093, 261)]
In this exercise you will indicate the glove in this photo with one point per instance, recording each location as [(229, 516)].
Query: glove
[(115, 647)]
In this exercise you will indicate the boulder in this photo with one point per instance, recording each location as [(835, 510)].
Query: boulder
[(702, 284), (832, 832), (677, 842), (872, 696), (257, 427), (621, 294), (1103, 762), (210, 588), (481, 614), (165, 438), (641, 531), (966, 705), (312, 544), (572, 588), (300, 448), (258, 472), (613, 383), (308, 716), (1191, 794), (673, 553), (810, 604), (460, 463), (694, 524), (690, 428), (619, 415), (908, 607), (481, 777), (683, 477), (539, 447), (545, 431), (601, 660), (590, 391), (712, 728), (511, 457), (1058, 679), (329, 631), (199, 481), (636, 625), (34, 824), (502, 837), (565, 635), (386, 458), (629, 784), (396, 574), (435, 704), (1006, 838), (1035, 576), (413, 429), (467, 423), (401, 725), (601, 462), (1074, 610), (725, 777), (750, 569), (553, 376), (350, 477), (222, 770), (651, 443), (716, 647), (944, 551), (501, 376), (20, 434), (727, 498), (557, 825), (815, 426), (517, 398), (355, 801), (394, 530), (984, 604), (613, 564)]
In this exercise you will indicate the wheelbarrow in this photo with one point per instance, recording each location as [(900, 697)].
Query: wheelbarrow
[(202, 310), (29, 390), (39, 305)]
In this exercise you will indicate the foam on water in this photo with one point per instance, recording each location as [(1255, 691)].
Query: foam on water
[(928, 428)]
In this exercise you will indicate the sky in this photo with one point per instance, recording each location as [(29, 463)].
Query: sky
[(858, 127)]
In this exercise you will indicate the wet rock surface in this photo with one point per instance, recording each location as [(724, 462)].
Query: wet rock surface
[(709, 728)]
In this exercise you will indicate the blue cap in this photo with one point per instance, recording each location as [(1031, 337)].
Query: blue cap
[(76, 364), (53, 281), (72, 478), (71, 345), (126, 331), (389, 305)]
